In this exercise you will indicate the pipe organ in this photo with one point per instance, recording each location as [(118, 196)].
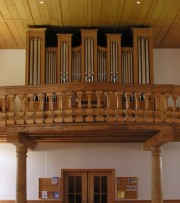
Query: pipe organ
[(127, 65), (35, 55), (51, 66), (114, 57), (89, 62)]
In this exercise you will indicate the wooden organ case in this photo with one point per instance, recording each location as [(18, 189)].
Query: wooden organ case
[(89, 62)]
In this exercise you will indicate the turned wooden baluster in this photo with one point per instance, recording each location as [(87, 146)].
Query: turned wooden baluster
[(176, 113), (20, 115), (149, 112), (130, 112), (59, 113), (39, 114), (68, 113), (99, 111), (79, 112), (168, 113), (89, 110), (159, 107), (10, 113), (3, 110), (49, 113), (110, 112), (119, 111), (139, 113), (30, 112)]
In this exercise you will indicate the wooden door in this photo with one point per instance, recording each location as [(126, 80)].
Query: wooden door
[(87, 186)]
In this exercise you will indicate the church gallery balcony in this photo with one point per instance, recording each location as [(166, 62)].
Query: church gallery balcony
[(91, 111)]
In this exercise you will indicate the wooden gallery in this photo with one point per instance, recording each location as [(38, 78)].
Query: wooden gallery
[(89, 125)]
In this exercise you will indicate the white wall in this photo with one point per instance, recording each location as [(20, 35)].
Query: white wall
[(167, 66), (12, 67), (127, 159)]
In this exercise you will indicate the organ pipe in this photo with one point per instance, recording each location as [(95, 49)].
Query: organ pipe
[(101, 65), (89, 59), (88, 62), (76, 65), (35, 61), (64, 62), (143, 60), (51, 67), (127, 66), (114, 62)]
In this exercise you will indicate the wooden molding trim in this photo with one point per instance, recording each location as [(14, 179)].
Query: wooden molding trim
[(120, 201)]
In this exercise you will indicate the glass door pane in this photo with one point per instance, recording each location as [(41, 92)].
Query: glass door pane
[(100, 189), (75, 187)]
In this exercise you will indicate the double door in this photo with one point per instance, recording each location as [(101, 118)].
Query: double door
[(87, 186)]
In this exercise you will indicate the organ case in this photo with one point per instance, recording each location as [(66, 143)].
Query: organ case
[(89, 62)]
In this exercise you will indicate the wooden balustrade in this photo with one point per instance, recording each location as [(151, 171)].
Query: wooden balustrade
[(89, 102)]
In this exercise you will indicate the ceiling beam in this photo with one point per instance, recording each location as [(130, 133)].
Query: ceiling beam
[(20, 140), (159, 139), (3, 138)]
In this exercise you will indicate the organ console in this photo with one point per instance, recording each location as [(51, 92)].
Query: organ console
[(89, 62)]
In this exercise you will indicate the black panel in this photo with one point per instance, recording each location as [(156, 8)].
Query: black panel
[(52, 31)]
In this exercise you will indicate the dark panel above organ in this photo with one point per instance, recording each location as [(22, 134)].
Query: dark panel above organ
[(52, 31)]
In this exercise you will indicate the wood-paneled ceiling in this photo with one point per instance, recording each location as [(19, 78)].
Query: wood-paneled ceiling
[(18, 15)]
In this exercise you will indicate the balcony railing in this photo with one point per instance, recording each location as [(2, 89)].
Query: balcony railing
[(89, 102)]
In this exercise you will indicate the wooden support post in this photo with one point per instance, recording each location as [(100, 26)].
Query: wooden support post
[(156, 192), (21, 196)]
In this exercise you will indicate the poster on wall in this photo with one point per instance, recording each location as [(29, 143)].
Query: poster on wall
[(54, 180), (44, 194)]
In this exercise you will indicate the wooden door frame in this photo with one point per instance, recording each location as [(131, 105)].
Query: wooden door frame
[(111, 171)]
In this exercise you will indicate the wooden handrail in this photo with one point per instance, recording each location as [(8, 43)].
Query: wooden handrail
[(89, 102)]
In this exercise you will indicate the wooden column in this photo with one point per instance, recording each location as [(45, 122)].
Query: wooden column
[(156, 193), (21, 175)]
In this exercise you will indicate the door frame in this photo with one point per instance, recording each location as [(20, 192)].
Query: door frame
[(110, 171)]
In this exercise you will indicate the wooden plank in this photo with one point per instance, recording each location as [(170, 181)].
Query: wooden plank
[(7, 36), (34, 9), (113, 13), (168, 8), (15, 33), (127, 10), (158, 9), (105, 9), (21, 28), (3, 44), (52, 11), (22, 9), (135, 12), (83, 12), (4, 10), (159, 139), (145, 8), (74, 12), (59, 12), (51, 8), (96, 13), (43, 10), (89, 15), (65, 10), (12, 8), (174, 12)]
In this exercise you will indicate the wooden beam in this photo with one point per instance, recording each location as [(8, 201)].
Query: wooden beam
[(3, 138), (159, 139), (19, 140)]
